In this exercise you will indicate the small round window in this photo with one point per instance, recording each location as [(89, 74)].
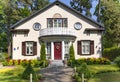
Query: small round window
[(36, 26)]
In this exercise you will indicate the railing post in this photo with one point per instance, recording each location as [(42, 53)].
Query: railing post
[(31, 77), (82, 77)]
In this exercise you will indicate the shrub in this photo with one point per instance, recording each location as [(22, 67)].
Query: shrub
[(29, 70), (83, 69), (43, 52), (2, 58), (71, 52), (71, 60), (10, 62), (77, 78), (91, 61), (111, 53), (117, 61), (5, 63), (24, 63)]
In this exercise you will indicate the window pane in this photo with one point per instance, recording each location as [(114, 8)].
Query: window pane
[(50, 23), (85, 47), (66, 46), (29, 48), (59, 22), (64, 22), (55, 22)]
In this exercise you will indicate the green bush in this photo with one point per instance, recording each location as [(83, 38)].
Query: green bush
[(71, 52), (29, 70), (111, 53), (24, 63), (5, 63), (43, 52), (117, 61), (91, 61), (83, 69), (2, 58), (77, 78)]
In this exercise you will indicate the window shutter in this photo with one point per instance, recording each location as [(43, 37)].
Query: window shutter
[(35, 48), (23, 48), (91, 47), (79, 47)]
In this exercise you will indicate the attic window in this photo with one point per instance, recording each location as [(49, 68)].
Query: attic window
[(57, 15)]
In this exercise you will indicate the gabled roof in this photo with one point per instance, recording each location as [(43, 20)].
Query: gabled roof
[(48, 6)]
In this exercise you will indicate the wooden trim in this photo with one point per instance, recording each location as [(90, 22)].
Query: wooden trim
[(20, 30), (56, 18), (80, 48), (91, 47), (24, 48), (94, 29)]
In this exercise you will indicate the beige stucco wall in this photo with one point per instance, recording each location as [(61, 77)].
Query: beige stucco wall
[(42, 19)]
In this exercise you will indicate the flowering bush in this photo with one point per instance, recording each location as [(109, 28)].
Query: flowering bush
[(90, 61), (24, 63)]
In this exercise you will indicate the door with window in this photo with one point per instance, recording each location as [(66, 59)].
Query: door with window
[(57, 50)]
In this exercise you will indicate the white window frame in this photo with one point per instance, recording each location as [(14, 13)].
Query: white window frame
[(85, 47), (29, 48), (66, 47)]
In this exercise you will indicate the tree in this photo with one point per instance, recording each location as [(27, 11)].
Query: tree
[(82, 6), (33, 5), (110, 17), (71, 52), (11, 11), (43, 52), (29, 70)]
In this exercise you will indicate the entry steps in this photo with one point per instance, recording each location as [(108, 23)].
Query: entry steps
[(57, 63)]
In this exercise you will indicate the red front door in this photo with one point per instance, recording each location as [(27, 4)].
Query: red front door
[(57, 50)]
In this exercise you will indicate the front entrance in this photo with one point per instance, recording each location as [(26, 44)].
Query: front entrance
[(57, 50)]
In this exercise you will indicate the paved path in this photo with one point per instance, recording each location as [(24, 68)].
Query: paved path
[(57, 74)]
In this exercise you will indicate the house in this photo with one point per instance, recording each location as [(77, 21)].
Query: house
[(57, 26)]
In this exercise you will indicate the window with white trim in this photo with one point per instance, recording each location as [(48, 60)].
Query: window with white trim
[(85, 47), (29, 48), (66, 45), (56, 22)]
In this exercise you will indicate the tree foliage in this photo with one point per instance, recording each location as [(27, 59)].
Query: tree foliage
[(71, 52), (82, 6), (11, 11), (110, 17), (29, 70), (43, 52)]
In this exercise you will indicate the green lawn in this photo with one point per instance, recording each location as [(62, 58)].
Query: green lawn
[(13, 74), (98, 68), (106, 77)]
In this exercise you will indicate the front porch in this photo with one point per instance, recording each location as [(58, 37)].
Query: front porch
[(57, 41), (57, 50)]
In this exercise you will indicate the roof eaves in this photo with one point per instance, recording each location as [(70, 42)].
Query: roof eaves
[(48, 6)]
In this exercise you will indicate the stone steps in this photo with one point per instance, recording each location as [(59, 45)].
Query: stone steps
[(56, 63)]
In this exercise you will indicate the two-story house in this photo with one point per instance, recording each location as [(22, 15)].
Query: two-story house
[(57, 26)]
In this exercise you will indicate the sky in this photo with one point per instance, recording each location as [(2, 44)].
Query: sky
[(67, 2)]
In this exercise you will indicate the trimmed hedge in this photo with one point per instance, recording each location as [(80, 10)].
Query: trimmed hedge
[(24, 63), (111, 53), (90, 61), (29, 70)]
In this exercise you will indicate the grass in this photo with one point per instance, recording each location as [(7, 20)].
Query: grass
[(99, 68), (106, 77), (13, 74)]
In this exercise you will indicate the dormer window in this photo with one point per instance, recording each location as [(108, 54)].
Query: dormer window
[(56, 22)]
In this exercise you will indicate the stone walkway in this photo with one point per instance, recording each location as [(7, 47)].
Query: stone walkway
[(57, 74)]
